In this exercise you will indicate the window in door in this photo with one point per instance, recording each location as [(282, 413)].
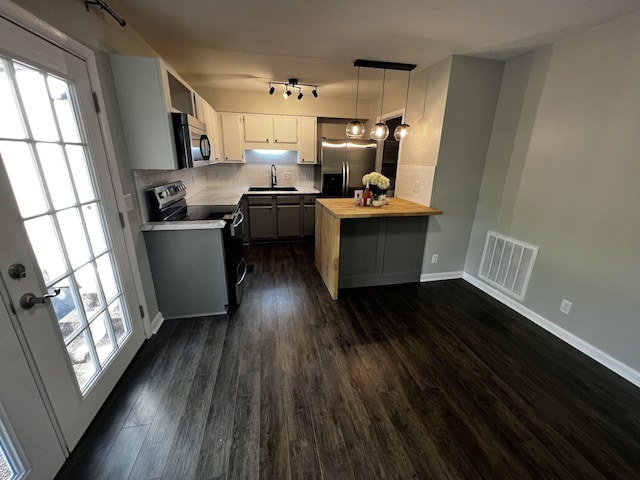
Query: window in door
[(12, 465), (47, 159)]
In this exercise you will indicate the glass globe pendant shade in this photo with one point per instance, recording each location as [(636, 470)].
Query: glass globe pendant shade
[(355, 129), (380, 131), (402, 131)]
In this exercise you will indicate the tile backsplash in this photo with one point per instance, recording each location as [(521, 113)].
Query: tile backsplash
[(415, 182)]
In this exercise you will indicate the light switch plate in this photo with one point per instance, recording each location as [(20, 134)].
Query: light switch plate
[(128, 201)]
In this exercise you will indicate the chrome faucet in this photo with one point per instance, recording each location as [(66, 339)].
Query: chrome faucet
[(274, 180)]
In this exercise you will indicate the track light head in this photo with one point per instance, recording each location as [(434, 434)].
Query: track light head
[(315, 92), (287, 93), (300, 94), (271, 89)]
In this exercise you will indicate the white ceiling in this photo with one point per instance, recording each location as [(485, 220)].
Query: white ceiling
[(243, 44)]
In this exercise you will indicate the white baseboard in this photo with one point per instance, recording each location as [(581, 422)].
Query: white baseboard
[(606, 360), (434, 277), (157, 322)]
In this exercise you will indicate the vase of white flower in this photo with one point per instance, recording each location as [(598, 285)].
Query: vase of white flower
[(378, 184)]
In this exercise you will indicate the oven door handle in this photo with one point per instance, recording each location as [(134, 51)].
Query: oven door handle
[(237, 222), (244, 272)]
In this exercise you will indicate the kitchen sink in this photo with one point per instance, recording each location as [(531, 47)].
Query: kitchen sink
[(272, 189)]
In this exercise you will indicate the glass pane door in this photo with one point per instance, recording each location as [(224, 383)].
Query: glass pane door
[(47, 159)]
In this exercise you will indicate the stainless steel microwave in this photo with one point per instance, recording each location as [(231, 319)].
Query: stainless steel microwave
[(192, 143)]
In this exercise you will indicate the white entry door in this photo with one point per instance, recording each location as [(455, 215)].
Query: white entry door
[(62, 250)]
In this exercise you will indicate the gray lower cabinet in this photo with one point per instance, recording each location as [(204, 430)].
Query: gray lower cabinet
[(288, 221), (281, 216), (188, 272), (262, 218), (262, 222), (288, 210), (309, 215)]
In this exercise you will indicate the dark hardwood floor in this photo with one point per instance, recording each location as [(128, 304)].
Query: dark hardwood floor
[(433, 380)]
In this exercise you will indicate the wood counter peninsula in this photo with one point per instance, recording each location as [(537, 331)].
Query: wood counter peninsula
[(365, 246)]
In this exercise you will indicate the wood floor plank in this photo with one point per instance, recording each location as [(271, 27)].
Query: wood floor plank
[(123, 453), (243, 459), (213, 459), (183, 460)]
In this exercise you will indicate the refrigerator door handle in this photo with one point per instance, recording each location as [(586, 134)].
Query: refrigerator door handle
[(344, 177), (346, 180)]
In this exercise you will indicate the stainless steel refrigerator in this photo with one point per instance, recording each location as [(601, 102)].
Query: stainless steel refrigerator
[(342, 165)]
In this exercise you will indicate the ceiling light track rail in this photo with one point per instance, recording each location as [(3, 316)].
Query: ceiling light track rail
[(108, 9), (407, 67)]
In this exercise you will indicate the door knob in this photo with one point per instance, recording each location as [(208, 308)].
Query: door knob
[(28, 300)]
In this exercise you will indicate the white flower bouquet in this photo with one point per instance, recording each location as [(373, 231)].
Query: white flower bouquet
[(378, 183)]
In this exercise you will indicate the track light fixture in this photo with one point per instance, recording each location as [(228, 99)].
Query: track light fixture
[(291, 84)]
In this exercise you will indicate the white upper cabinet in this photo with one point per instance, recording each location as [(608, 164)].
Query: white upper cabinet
[(210, 117), (271, 131), (215, 130), (145, 100), (308, 137), (232, 141), (285, 130)]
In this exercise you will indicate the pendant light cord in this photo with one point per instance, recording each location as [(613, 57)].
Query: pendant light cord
[(384, 75), (357, 85), (406, 100)]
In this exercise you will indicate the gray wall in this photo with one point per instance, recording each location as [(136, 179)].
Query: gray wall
[(563, 173), (468, 118)]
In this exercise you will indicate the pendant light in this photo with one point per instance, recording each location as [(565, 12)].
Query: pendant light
[(355, 128), (380, 130), (403, 129)]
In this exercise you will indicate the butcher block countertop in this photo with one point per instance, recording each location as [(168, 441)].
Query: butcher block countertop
[(342, 208)]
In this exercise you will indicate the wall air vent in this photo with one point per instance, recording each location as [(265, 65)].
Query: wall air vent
[(507, 264)]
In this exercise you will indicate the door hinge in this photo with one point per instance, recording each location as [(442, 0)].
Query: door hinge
[(96, 102), (121, 215), (141, 311)]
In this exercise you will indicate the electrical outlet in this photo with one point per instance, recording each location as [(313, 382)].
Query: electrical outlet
[(565, 306), (434, 258), (416, 187), (287, 175)]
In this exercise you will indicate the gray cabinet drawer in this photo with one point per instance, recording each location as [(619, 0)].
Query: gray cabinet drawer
[(309, 199), (288, 199), (260, 200)]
